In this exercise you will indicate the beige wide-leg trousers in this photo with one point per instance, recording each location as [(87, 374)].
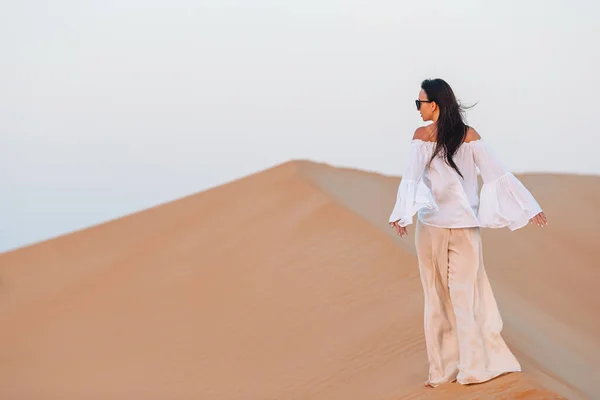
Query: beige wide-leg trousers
[(462, 321)]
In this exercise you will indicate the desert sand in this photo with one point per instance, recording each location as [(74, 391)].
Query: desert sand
[(289, 284)]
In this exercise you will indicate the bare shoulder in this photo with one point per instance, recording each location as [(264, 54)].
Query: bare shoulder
[(422, 133), (472, 135)]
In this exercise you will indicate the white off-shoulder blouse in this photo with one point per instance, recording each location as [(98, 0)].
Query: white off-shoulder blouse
[(442, 198)]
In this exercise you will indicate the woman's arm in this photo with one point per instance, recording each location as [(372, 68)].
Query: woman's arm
[(407, 203), (505, 201)]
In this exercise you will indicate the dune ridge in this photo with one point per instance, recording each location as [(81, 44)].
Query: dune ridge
[(285, 284)]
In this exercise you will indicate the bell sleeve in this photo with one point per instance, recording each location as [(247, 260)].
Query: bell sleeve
[(504, 201), (413, 194)]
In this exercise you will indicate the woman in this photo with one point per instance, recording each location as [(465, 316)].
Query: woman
[(462, 321)]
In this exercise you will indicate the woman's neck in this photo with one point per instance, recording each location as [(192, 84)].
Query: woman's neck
[(432, 132)]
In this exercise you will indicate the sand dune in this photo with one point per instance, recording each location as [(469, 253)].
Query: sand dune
[(287, 284)]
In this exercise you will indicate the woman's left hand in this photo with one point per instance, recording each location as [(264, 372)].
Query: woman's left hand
[(400, 230)]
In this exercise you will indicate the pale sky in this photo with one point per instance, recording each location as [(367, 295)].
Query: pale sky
[(111, 107)]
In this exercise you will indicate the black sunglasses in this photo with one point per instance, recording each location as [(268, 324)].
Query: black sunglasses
[(418, 103)]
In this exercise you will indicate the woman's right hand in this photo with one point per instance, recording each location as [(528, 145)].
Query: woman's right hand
[(540, 220)]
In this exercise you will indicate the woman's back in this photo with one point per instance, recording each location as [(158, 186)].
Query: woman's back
[(456, 197)]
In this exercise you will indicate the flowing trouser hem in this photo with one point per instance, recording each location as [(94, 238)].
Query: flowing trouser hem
[(469, 379), (438, 382)]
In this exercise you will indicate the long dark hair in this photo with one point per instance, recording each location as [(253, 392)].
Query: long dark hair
[(450, 127)]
